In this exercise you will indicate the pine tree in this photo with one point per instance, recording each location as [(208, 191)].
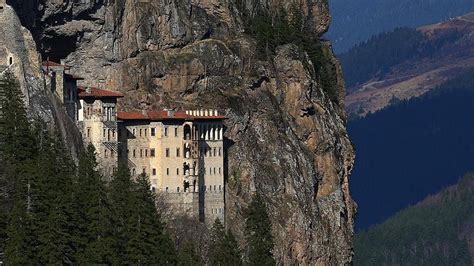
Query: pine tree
[(121, 197), (223, 248), (93, 214), (148, 242), (17, 153), (187, 254), (52, 203), (258, 233), (139, 234)]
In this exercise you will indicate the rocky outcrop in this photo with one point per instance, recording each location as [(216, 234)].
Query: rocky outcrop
[(19, 55), (285, 138)]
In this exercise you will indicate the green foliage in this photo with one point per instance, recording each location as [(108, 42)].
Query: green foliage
[(187, 255), (223, 248), (138, 231), (53, 214), (17, 151), (279, 28), (93, 214), (425, 234), (258, 232), (51, 202)]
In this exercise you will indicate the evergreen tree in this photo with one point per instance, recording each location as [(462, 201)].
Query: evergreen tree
[(148, 242), (120, 194), (51, 195), (258, 233), (187, 254), (17, 151), (93, 213), (223, 248)]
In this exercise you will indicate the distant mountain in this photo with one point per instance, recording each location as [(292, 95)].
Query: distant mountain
[(355, 21), (437, 231), (406, 63), (412, 149)]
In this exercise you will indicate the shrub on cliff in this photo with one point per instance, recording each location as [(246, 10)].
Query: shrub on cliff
[(258, 232)]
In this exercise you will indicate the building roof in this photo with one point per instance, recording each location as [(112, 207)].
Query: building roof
[(49, 63), (73, 77), (164, 115), (91, 92)]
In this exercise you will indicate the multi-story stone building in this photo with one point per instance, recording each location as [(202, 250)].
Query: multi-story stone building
[(181, 152), (97, 121)]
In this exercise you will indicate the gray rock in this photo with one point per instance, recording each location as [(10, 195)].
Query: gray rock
[(286, 138)]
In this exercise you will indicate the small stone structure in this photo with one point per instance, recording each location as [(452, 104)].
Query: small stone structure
[(2, 5)]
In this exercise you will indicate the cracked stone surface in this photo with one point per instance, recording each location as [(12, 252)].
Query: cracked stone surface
[(286, 138)]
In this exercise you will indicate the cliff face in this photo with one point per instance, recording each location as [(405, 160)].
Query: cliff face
[(286, 138), (20, 56)]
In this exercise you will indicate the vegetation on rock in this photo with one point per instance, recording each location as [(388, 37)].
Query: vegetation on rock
[(258, 231), (272, 30)]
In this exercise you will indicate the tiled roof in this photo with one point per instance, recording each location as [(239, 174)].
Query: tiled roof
[(97, 93), (49, 63), (163, 115)]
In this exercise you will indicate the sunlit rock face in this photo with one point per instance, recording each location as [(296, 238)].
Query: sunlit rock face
[(19, 55), (285, 138)]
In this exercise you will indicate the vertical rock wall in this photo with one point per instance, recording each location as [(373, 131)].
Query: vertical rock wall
[(286, 138)]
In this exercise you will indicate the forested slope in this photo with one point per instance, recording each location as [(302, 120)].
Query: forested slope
[(406, 63), (412, 149), (355, 21), (436, 231)]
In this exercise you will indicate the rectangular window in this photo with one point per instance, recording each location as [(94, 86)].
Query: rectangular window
[(146, 153), (215, 152), (154, 171), (177, 152), (141, 153), (177, 189), (152, 152), (175, 131), (153, 133), (88, 132), (220, 152), (167, 152), (166, 131), (105, 152), (104, 133), (144, 170), (134, 153), (167, 171), (146, 131), (177, 171), (140, 132), (133, 171), (219, 170), (133, 132)]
